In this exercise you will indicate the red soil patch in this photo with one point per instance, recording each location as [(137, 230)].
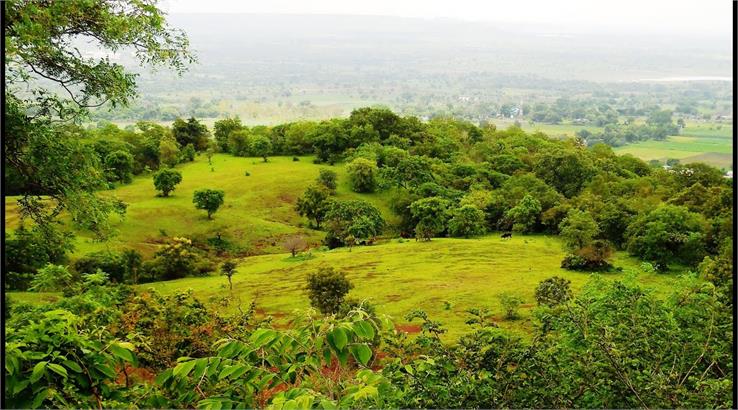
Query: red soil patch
[(411, 329)]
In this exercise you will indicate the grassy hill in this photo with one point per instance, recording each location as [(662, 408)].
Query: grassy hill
[(259, 210)]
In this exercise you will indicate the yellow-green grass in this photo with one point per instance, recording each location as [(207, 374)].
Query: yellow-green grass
[(258, 213), (400, 277), (716, 151)]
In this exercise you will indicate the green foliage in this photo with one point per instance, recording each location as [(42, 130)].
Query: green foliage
[(567, 171), (228, 269), (188, 153), (356, 218), (510, 304), (327, 289), (524, 215), (666, 234), (466, 221), (223, 129), (190, 132), (578, 229), (165, 180), (28, 250), (169, 153), (41, 57), (55, 278), (432, 215), (313, 204), (174, 260), (362, 175), (553, 291), (119, 166), (327, 178), (209, 200), (260, 146)]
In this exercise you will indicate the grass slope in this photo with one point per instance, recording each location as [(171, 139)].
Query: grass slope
[(400, 277), (258, 213)]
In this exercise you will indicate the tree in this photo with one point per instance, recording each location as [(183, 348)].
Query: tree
[(209, 200), (578, 229), (553, 291), (525, 214), (295, 244), (190, 132), (362, 175), (223, 130), (566, 170), (188, 153), (327, 289), (327, 178), (313, 204), (169, 152), (239, 142), (54, 278), (228, 269), (466, 221), (432, 216), (355, 217), (41, 57), (165, 180), (119, 165), (261, 146), (131, 259), (667, 233)]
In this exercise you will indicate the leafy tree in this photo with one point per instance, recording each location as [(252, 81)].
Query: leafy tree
[(239, 142), (327, 289), (578, 229), (28, 250), (525, 214), (188, 153), (55, 278), (327, 178), (190, 132), (41, 56), (261, 147), (362, 175), (223, 129), (553, 291), (119, 165), (169, 153), (175, 260), (667, 233), (228, 269), (313, 204), (165, 180), (466, 221), (432, 216), (209, 200), (355, 217), (131, 259), (565, 170)]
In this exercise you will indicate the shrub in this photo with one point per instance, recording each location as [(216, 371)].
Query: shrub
[(593, 257), (109, 262), (327, 289), (356, 218), (553, 291), (188, 153), (261, 147), (313, 204), (55, 278), (28, 250), (362, 175), (327, 178), (166, 180), (174, 260), (119, 166), (510, 304), (209, 200), (295, 244)]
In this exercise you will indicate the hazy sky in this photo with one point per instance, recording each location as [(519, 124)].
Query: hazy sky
[(676, 16)]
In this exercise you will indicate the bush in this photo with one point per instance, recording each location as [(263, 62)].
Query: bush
[(327, 178), (510, 304), (188, 153), (553, 291), (109, 262), (362, 175), (593, 257), (327, 289), (28, 250), (175, 260)]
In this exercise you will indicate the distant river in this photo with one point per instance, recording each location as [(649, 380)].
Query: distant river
[(682, 79)]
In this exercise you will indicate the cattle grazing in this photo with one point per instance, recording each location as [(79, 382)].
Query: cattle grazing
[(506, 235)]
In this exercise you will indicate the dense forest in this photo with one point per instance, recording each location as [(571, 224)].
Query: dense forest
[(110, 343)]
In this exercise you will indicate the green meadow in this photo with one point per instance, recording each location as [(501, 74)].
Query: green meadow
[(697, 143), (444, 277)]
